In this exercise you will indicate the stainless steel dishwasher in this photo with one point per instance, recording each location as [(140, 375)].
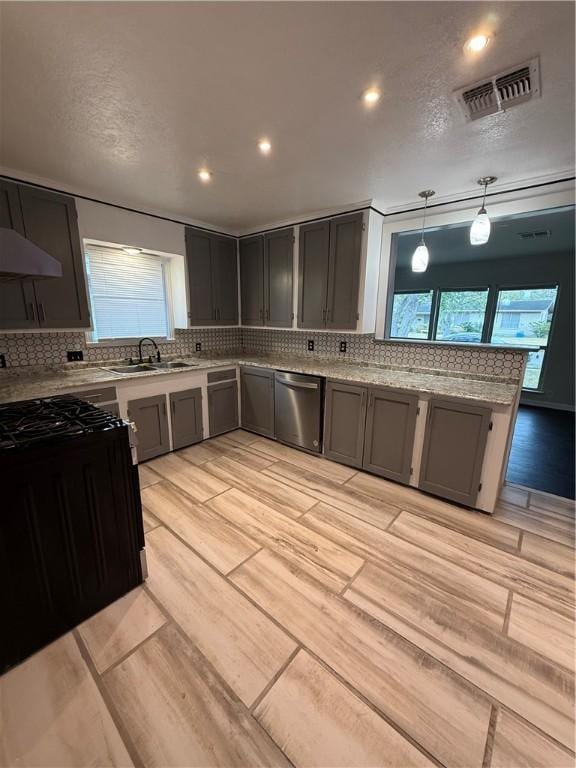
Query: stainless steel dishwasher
[(298, 406)]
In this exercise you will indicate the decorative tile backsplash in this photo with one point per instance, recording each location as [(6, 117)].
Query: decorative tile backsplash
[(50, 348), (362, 347)]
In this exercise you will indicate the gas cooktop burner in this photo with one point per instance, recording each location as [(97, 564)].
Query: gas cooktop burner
[(51, 419)]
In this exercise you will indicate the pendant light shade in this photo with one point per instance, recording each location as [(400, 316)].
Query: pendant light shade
[(421, 256), (480, 229)]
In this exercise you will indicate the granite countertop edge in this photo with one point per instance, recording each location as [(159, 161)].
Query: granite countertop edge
[(482, 388)]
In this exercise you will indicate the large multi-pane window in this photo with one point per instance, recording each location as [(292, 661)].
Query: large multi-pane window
[(461, 315), (523, 317), (411, 315), (504, 316)]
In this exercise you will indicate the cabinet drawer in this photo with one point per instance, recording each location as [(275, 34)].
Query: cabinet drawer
[(104, 395), (214, 376)]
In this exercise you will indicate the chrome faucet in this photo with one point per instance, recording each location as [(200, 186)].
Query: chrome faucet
[(147, 338)]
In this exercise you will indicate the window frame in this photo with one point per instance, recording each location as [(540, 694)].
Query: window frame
[(438, 297), (432, 292), (166, 264)]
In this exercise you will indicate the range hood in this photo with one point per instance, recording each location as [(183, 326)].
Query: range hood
[(20, 258)]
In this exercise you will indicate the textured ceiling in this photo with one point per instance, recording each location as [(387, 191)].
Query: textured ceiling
[(126, 100)]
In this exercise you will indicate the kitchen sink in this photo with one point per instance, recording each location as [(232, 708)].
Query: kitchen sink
[(132, 369), (174, 364)]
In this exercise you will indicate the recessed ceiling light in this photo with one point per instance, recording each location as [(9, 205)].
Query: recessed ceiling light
[(371, 96), (204, 175), (477, 43), (132, 251), (264, 146)]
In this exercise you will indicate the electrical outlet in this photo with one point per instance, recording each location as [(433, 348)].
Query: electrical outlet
[(198, 346), (310, 345), (2, 361), (75, 356), (343, 346)]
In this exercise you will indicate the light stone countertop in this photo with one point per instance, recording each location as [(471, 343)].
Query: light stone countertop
[(20, 384)]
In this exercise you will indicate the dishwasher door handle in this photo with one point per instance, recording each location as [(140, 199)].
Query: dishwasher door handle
[(296, 384)]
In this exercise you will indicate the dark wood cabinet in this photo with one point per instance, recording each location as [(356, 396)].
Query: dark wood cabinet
[(257, 399), (223, 407), (344, 422), (329, 273), (49, 220), (186, 417), (266, 278), (454, 447), (212, 278), (151, 418), (390, 427)]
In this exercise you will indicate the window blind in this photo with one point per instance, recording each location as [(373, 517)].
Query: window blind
[(127, 294)]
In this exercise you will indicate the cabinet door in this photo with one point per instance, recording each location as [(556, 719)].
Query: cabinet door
[(313, 274), (201, 309), (186, 417), (344, 271), (17, 299), (50, 221), (453, 453), (225, 280), (344, 420), (252, 280), (390, 426), (223, 407), (257, 395), (151, 419), (278, 272)]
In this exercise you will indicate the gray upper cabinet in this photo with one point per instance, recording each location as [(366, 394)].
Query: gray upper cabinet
[(329, 273), (223, 407), (278, 278), (313, 260), (50, 221), (257, 398), (212, 278), (344, 271), (266, 278), (344, 420), (390, 426), (453, 453), (252, 280), (186, 417), (17, 299), (151, 418)]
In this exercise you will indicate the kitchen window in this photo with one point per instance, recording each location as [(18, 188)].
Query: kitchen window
[(411, 311), (523, 318), (129, 294), (461, 315)]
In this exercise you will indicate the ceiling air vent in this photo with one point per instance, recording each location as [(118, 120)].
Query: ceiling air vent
[(501, 91), (535, 235)]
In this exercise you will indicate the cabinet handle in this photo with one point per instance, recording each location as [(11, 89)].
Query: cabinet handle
[(327, 315), (42, 312), (164, 408), (363, 400), (323, 316), (371, 400), (173, 407), (32, 313), (268, 314)]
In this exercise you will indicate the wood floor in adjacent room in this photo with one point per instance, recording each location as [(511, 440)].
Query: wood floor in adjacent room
[(301, 613)]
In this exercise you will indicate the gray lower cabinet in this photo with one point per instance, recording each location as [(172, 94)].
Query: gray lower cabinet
[(344, 420), (223, 407), (49, 220), (151, 418), (390, 427), (186, 417), (257, 398), (453, 453)]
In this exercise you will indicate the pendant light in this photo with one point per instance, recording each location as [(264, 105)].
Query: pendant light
[(420, 257), (480, 229)]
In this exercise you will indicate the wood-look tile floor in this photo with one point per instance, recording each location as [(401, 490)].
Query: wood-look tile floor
[(301, 613)]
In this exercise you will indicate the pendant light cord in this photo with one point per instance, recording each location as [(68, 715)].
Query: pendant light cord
[(482, 209), (424, 219)]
